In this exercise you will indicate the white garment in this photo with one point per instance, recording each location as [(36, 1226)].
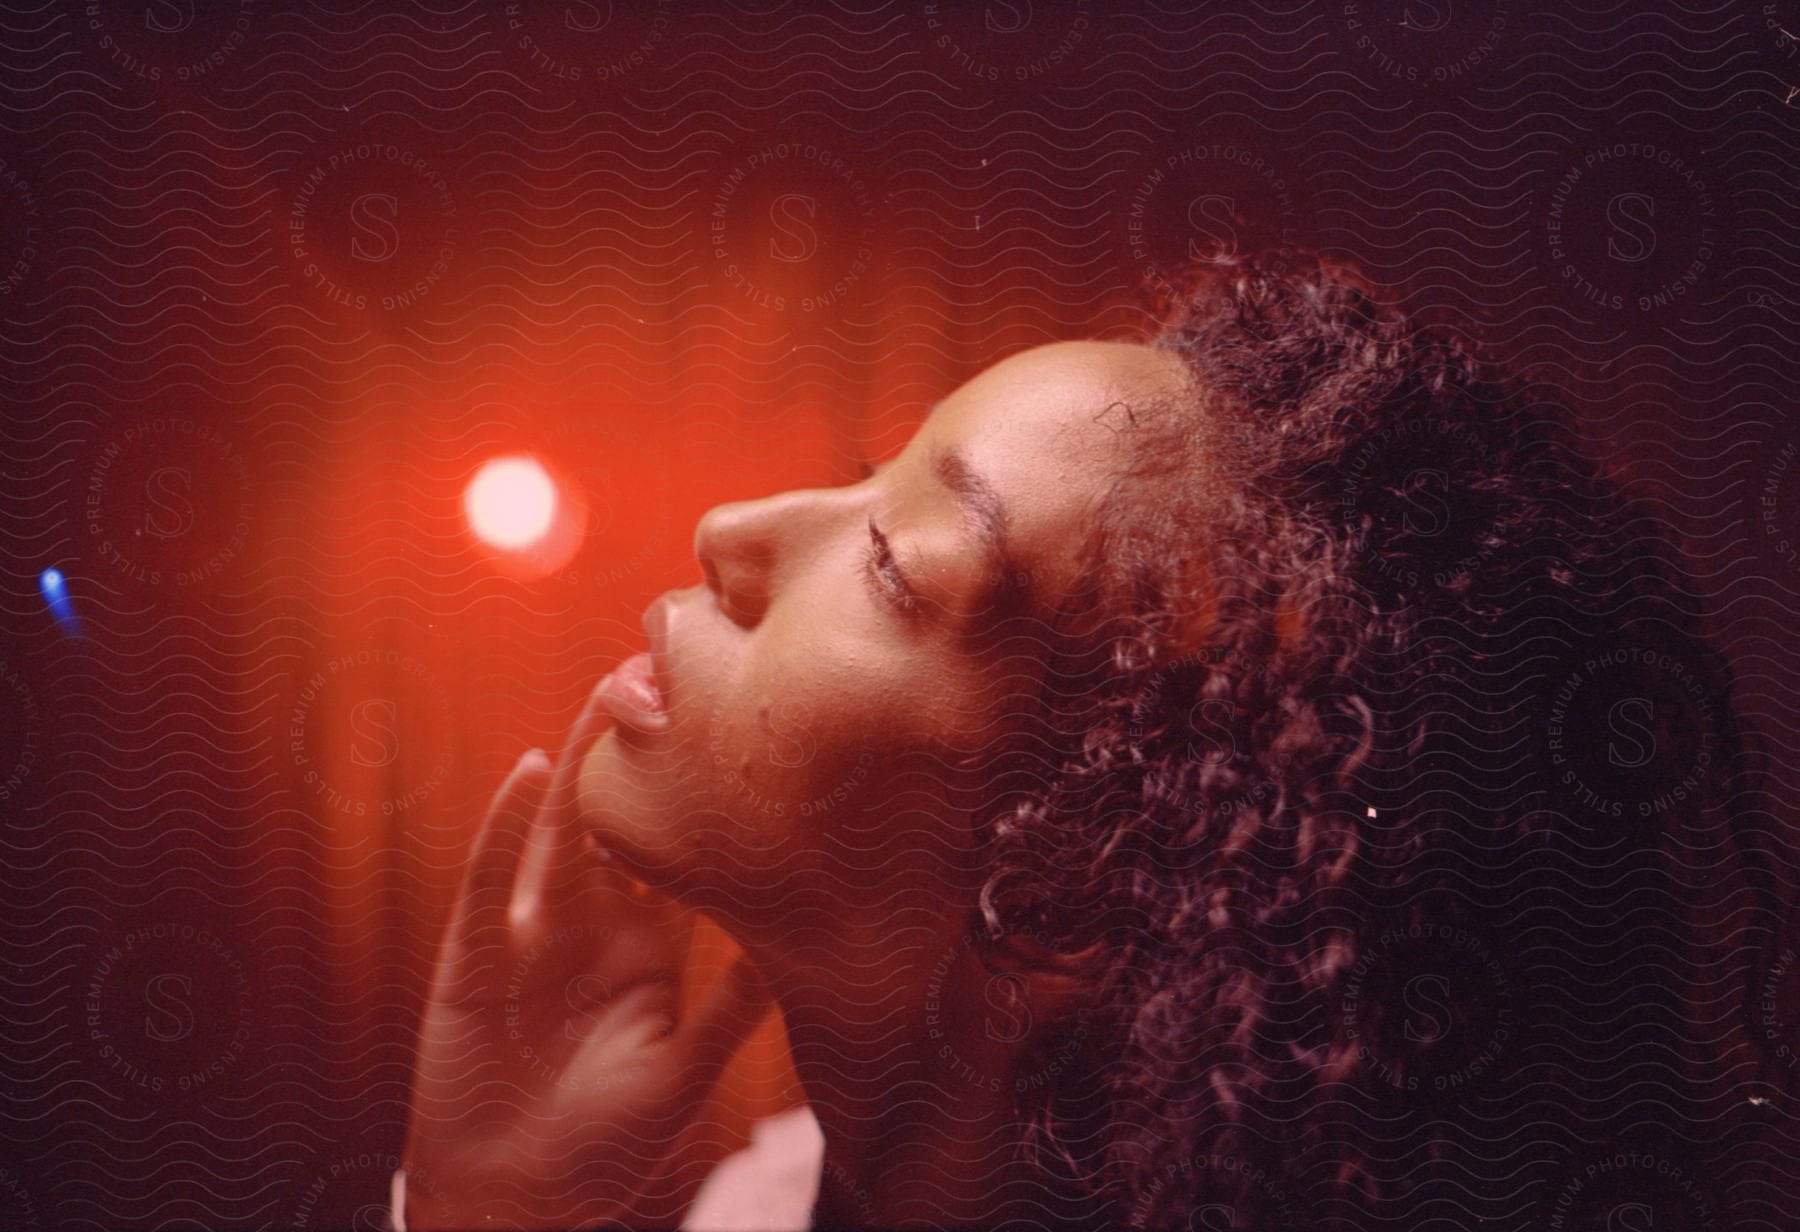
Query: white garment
[(769, 1186)]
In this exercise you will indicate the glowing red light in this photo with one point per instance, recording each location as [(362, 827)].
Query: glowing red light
[(511, 502)]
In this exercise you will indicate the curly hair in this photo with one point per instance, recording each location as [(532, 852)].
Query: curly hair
[(1399, 705)]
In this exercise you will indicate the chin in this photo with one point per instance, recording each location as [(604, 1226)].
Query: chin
[(612, 807), (686, 834)]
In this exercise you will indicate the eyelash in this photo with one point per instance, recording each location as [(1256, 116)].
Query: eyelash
[(883, 575)]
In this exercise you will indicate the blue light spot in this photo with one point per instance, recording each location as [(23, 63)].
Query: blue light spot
[(56, 598)]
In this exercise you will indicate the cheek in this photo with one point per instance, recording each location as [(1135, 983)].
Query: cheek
[(824, 737), (804, 742)]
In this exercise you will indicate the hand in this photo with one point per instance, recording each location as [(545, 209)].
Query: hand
[(556, 1066)]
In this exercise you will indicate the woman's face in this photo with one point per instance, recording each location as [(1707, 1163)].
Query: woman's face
[(838, 691)]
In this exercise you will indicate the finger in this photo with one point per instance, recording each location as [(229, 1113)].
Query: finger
[(722, 1021), (589, 724), (556, 860), (564, 802), (494, 856)]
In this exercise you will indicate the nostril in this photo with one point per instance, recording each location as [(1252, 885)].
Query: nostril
[(733, 546), (742, 607), (740, 604)]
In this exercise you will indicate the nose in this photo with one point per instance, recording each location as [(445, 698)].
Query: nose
[(747, 549)]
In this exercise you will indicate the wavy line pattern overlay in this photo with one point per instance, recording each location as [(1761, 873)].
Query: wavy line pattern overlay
[(276, 280)]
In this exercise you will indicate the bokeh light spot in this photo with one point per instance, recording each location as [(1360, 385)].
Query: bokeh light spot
[(511, 502)]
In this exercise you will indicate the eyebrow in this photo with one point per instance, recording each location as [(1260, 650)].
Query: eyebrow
[(987, 516)]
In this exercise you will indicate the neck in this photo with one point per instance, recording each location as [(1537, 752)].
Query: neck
[(913, 1084)]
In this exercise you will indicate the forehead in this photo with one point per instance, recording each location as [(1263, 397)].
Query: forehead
[(1049, 429)]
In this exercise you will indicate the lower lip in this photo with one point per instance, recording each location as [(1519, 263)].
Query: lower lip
[(630, 695)]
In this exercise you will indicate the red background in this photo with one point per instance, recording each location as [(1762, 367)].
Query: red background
[(600, 289)]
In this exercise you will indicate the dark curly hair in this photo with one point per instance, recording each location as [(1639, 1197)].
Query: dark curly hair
[(1397, 791)]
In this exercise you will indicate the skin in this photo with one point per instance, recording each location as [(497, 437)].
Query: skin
[(833, 747)]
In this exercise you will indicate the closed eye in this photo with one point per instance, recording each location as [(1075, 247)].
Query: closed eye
[(882, 573)]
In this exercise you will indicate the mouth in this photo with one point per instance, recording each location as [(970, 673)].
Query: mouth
[(635, 692)]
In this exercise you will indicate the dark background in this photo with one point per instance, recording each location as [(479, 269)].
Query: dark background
[(274, 280)]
